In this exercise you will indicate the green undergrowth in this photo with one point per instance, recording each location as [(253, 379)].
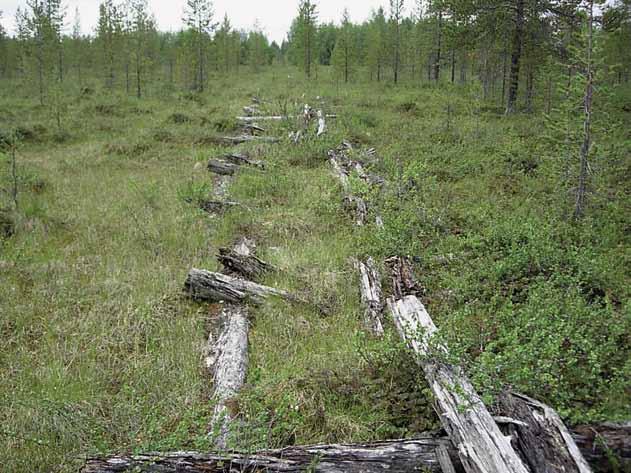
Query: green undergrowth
[(101, 351)]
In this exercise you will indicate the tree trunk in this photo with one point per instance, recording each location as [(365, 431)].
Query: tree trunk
[(481, 446), (518, 38), (439, 38), (237, 140), (242, 264), (398, 456), (217, 287), (222, 168), (453, 66), (227, 360)]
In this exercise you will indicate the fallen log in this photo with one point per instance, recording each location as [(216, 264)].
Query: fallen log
[(371, 457), (539, 434), (216, 206), (247, 266), (237, 140), (223, 168), (403, 280), (216, 287), (241, 159), (399, 456), (227, 360), (481, 446), (252, 128), (371, 295), (277, 118)]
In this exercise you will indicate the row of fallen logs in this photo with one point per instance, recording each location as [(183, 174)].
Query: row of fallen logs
[(539, 441)]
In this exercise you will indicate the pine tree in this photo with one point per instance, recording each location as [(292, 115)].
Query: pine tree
[(109, 38), (198, 17), (396, 16), (344, 53), (142, 27), (305, 35), (3, 50), (377, 43)]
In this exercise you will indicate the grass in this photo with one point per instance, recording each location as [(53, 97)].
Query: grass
[(101, 351)]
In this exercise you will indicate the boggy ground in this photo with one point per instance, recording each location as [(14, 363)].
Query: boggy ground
[(100, 350)]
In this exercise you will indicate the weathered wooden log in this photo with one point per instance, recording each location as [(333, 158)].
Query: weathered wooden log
[(222, 168), (371, 295), (321, 124), (227, 361), (250, 110), (481, 446), (216, 287), (252, 128), (247, 266), (243, 159), (216, 206), (398, 456), (545, 444), (606, 446), (403, 280), (237, 140), (277, 118)]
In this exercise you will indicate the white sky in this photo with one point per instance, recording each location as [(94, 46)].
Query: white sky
[(274, 16)]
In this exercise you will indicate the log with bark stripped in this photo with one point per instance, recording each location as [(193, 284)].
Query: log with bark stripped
[(243, 159), (227, 360), (237, 140), (223, 168), (371, 295), (216, 206), (398, 456), (393, 456), (277, 118), (216, 287), (481, 446)]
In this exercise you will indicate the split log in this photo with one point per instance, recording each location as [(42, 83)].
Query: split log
[(227, 360), (241, 159), (217, 287), (237, 140), (277, 118), (606, 446), (403, 280), (539, 434), (321, 124), (481, 446), (222, 168), (399, 456), (371, 295), (247, 266), (252, 128), (216, 206)]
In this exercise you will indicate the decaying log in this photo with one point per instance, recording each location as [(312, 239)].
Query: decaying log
[(321, 123), (342, 167), (403, 280), (243, 159), (539, 434), (398, 456), (606, 446), (227, 360), (247, 266), (216, 206), (222, 168), (237, 140), (250, 110), (371, 295), (252, 128), (216, 287), (277, 118), (481, 446)]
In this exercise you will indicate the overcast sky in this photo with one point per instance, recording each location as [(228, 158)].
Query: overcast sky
[(273, 15)]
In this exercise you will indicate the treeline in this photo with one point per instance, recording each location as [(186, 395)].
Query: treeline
[(516, 49)]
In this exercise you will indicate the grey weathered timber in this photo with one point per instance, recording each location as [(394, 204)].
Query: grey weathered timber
[(216, 206), (539, 434), (397, 456), (598, 443), (277, 118), (223, 168), (252, 128), (216, 287), (481, 446), (243, 159), (403, 280), (247, 266), (237, 140), (371, 295), (227, 361)]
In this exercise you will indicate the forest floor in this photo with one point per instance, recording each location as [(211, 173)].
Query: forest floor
[(101, 351)]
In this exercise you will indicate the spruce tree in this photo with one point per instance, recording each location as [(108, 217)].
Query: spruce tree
[(305, 34), (344, 53)]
